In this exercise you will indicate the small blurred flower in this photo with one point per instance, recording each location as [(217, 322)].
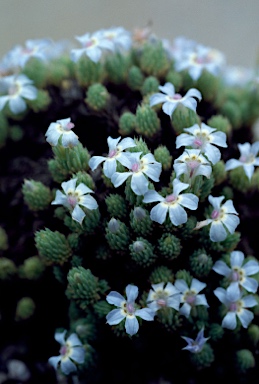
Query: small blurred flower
[(93, 46), (222, 217), (162, 297), (247, 160), (173, 203), (203, 138), (190, 296), (62, 128), (138, 167), (171, 100), (192, 163), (239, 271), (236, 304), (127, 309), (236, 76), (74, 197), (115, 154), (120, 37), (14, 90), (71, 352), (195, 346)]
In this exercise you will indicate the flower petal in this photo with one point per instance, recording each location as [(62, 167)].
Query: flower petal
[(245, 317), (145, 314), (131, 293), (229, 321), (67, 366), (115, 298), (115, 317), (131, 325), (217, 231), (221, 268), (177, 214), (158, 213)]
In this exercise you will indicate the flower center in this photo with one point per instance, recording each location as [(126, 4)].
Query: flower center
[(161, 302), (215, 214), (190, 298), (112, 153), (135, 167), (69, 126), (177, 96), (72, 200), (192, 165), (13, 90), (63, 350), (233, 307), (235, 276), (130, 308), (170, 198), (247, 159), (90, 43), (197, 142)]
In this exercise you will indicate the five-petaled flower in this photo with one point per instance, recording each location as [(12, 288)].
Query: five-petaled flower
[(195, 346), (137, 168), (74, 197), (14, 89), (203, 138), (190, 295), (236, 304), (171, 100), (173, 203), (239, 271), (127, 310), (62, 128), (71, 352), (161, 297), (222, 217), (115, 154), (247, 160)]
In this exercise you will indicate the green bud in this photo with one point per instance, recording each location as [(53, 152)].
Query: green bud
[(231, 110), (135, 78), (187, 228), (117, 235), (7, 268), (85, 178), (41, 103), (150, 85), (3, 240), (184, 275), (117, 67), (88, 72), (82, 287), (74, 241), (204, 358), (160, 274), (85, 329), (89, 225), (16, 133), (244, 360), (206, 186), (59, 274), (101, 308), (170, 318), (53, 247), (162, 155), (175, 78), (142, 252), (59, 70), (219, 172), (253, 334), (201, 263), (208, 85), (36, 195), (25, 309), (127, 123), (32, 268), (184, 117), (140, 221), (221, 123), (239, 180), (169, 246), (116, 206), (216, 331), (141, 146), (227, 192), (148, 124), (37, 71), (154, 60), (97, 97), (131, 197)]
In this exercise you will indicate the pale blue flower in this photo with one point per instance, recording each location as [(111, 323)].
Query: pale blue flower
[(127, 310), (237, 76), (236, 304), (173, 203), (247, 160), (14, 89), (195, 346), (223, 218), (74, 197), (203, 138), (137, 168), (161, 296), (120, 37), (190, 295), (71, 352), (171, 100), (93, 46), (62, 128), (115, 154), (239, 271)]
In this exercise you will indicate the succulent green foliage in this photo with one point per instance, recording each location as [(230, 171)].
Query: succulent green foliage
[(244, 360), (3, 240), (154, 60), (52, 246), (127, 123), (36, 195), (200, 263), (8, 268), (25, 309), (204, 358), (97, 97), (142, 252), (147, 122), (169, 246), (32, 268)]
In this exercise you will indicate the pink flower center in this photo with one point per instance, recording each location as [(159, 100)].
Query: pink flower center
[(177, 96), (72, 200), (190, 299), (233, 307), (130, 308), (215, 214), (161, 302), (13, 90), (89, 43), (193, 165), (69, 126), (63, 350), (197, 142), (28, 51), (247, 158), (135, 167), (235, 276), (112, 153), (170, 198)]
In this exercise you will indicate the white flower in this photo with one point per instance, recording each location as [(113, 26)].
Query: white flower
[(14, 90), (127, 309), (74, 197), (195, 346), (237, 76), (161, 297), (200, 58), (190, 296), (239, 271), (247, 160), (222, 217), (181, 45), (236, 305), (93, 46), (115, 154), (192, 163), (120, 37), (171, 100), (71, 352), (138, 167), (173, 203), (62, 128), (203, 138)]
